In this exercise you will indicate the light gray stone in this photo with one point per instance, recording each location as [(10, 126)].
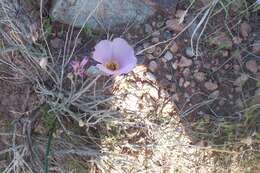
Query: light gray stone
[(189, 52), (153, 66), (168, 56), (108, 13)]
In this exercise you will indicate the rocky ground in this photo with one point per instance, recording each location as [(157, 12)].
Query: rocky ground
[(216, 84)]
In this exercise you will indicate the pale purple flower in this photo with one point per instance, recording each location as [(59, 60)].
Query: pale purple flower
[(79, 66), (115, 57)]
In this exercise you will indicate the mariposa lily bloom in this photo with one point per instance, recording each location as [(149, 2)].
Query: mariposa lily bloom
[(115, 57), (79, 66)]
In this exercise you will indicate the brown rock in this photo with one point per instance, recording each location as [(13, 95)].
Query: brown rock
[(186, 84), (245, 29), (180, 13), (173, 24), (157, 51), (256, 47), (210, 86), (200, 76), (184, 62), (251, 66), (174, 48)]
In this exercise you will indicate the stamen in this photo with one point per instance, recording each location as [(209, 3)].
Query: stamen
[(111, 65)]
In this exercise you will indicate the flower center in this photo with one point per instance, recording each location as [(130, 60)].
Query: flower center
[(112, 65)]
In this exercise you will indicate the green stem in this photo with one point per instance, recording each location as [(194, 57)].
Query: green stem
[(48, 147)]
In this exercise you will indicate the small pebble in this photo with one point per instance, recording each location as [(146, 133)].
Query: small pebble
[(174, 25), (175, 65), (167, 35), (245, 29), (180, 13), (251, 66), (210, 86), (200, 76), (155, 40), (153, 66), (168, 56), (157, 51), (168, 76), (174, 48), (225, 53), (186, 84), (150, 50), (148, 28), (43, 63), (149, 56), (237, 40), (256, 47), (184, 62), (189, 52), (181, 82)]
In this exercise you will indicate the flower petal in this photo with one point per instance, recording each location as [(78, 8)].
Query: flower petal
[(75, 65), (103, 51), (121, 51), (122, 70), (84, 62), (105, 70), (127, 68)]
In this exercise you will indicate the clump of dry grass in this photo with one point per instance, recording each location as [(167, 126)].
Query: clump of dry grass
[(65, 99)]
